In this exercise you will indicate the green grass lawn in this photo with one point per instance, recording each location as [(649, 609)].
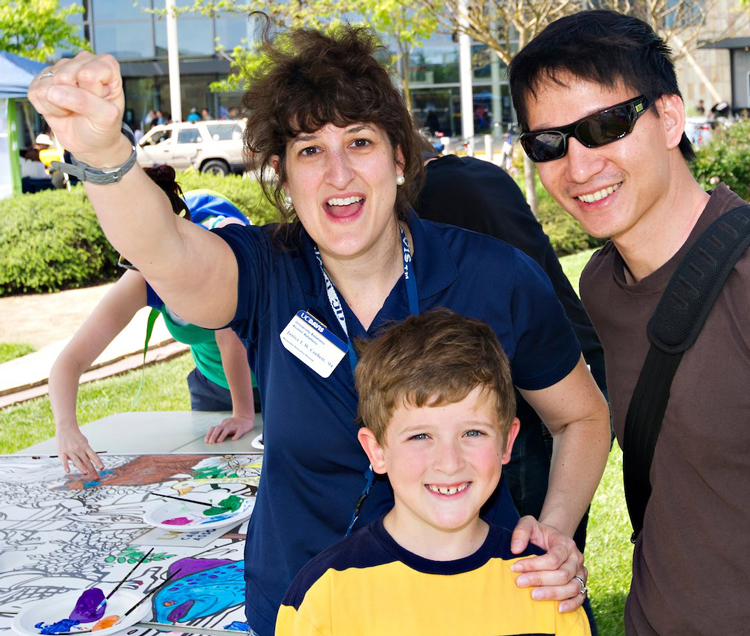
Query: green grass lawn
[(608, 553), (573, 266), (164, 389), (9, 351)]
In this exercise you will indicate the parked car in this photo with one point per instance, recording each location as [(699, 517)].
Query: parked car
[(209, 146)]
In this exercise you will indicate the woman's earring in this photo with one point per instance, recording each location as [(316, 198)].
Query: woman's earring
[(288, 200), (400, 180)]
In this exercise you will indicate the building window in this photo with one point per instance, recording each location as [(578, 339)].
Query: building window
[(114, 10), (195, 37), (132, 40), (231, 30), (434, 65)]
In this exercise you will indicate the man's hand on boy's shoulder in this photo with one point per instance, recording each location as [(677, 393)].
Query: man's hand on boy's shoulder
[(551, 574)]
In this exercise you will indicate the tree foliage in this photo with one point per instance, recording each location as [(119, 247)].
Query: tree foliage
[(402, 24), (405, 24), (505, 27), (36, 28), (679, 22)]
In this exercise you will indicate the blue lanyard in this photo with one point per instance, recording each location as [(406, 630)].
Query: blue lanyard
[(333, 298), (338, 310)]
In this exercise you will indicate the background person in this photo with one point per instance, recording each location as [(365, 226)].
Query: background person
[(690, 563), (221, 380), (148, 120), (506, 153), (327, 116), (437, 405), (34, 176)]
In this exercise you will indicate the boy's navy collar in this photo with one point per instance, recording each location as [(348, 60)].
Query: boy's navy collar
[(488, 550), (434, 264)]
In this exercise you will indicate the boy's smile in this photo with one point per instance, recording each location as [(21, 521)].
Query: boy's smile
[(443, 463)]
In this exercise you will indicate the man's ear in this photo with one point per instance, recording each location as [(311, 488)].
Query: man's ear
[(373, 449), (512, 432), (671, 110)]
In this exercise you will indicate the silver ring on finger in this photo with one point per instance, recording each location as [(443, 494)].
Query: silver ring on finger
[(41, 76), (584, 590)]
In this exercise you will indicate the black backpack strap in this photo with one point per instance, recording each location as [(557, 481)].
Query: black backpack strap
[(674, 328)]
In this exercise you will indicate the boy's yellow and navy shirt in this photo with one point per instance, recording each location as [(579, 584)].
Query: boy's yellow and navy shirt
[(369, 585)]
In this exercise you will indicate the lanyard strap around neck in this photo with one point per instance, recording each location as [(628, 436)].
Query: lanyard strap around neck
[(333, 298), (338, 310)]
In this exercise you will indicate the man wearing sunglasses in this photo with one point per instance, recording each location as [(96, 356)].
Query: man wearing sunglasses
[(602, 117)]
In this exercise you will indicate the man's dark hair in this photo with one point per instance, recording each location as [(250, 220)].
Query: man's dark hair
[(310, 79), (603, 47)]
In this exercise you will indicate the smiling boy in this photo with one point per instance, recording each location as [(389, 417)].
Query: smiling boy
[(438, 408)]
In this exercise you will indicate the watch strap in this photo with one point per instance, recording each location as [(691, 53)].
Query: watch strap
[(100, 176)]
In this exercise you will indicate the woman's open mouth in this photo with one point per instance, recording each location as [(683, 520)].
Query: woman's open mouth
[(345, 207)]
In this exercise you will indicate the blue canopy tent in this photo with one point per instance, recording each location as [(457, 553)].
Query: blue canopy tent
[(16, 73)]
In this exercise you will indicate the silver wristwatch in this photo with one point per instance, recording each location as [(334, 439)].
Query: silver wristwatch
[(100, 176)]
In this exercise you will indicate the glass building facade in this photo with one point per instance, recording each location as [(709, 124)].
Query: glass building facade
[(436, 90), (138, 39)]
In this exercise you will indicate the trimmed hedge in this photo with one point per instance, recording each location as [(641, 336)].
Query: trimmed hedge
[(726, 158), (564, 232), (51, 240), (244, 193)]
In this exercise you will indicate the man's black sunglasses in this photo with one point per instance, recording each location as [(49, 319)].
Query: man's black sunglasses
[(596, 130)]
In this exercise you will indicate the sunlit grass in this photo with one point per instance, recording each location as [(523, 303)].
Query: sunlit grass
[(10, 351), (609, 552), (164, 389), (573, 266)]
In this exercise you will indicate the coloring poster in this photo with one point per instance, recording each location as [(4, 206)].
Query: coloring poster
[(60, 533)]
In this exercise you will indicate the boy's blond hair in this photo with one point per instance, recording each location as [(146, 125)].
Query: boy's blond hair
[(432, 359)]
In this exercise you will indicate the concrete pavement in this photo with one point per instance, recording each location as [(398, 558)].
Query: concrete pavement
[(47, 321)]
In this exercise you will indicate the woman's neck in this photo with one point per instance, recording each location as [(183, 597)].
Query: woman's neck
[(366, 280)]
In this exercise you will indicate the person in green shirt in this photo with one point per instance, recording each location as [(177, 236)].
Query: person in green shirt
[(221, 380)]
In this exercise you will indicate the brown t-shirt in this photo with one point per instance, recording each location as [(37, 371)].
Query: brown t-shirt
[(691, 564)]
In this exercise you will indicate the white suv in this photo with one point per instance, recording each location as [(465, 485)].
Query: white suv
[(208, 146)]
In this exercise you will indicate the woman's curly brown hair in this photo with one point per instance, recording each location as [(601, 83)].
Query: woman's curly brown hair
[(310, 79)]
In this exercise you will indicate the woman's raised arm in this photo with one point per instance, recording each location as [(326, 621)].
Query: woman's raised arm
[(82, 100)]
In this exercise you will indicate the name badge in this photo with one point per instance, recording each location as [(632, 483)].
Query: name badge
[(310, 341)]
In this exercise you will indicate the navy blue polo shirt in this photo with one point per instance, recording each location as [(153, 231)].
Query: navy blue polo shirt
[(313, 464)]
